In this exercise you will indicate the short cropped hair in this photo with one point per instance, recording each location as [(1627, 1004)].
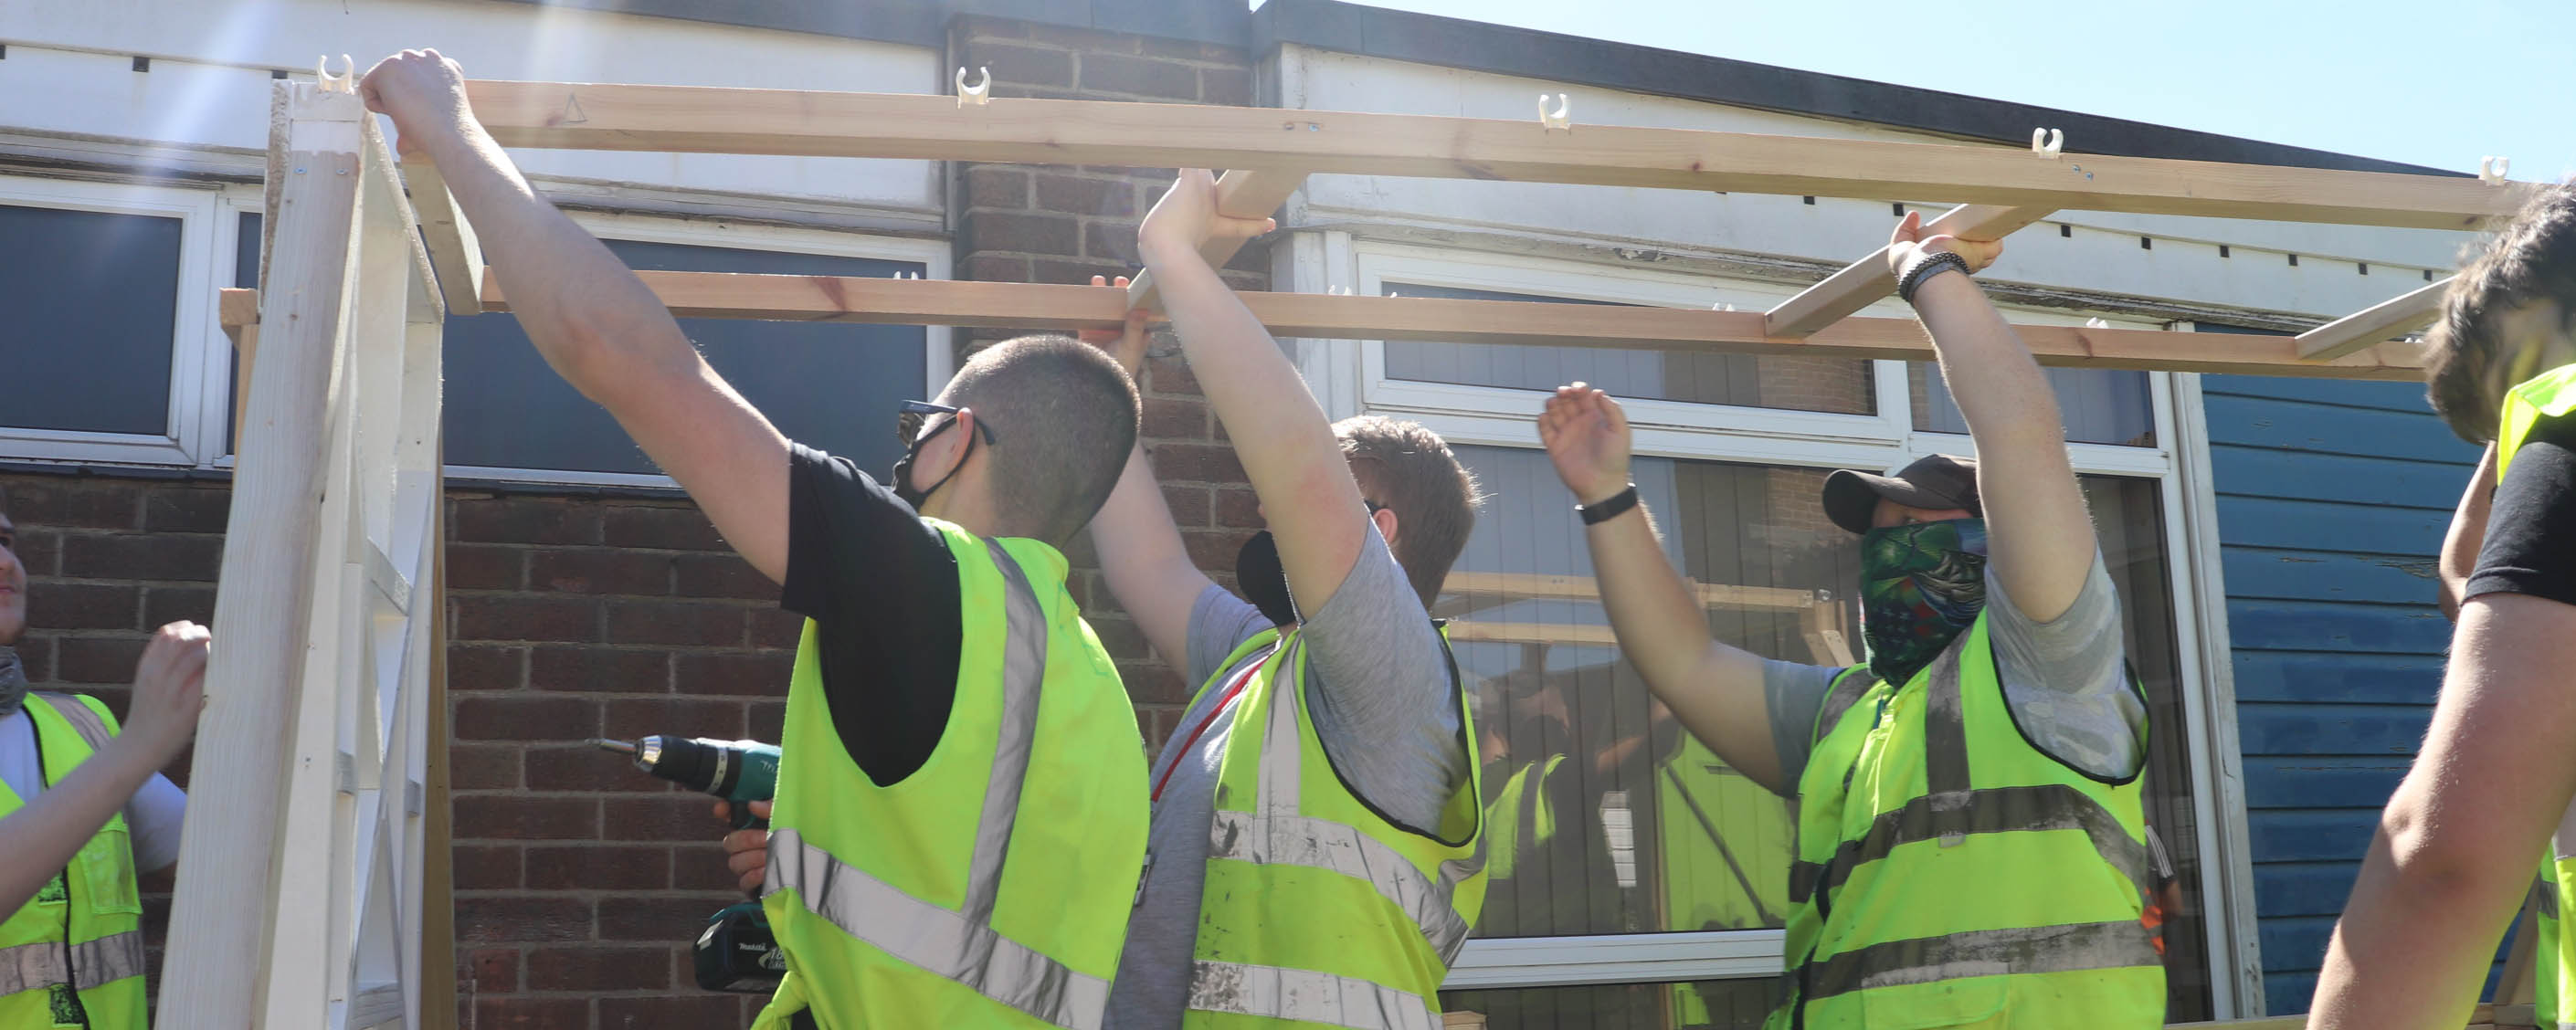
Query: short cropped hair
[(1408, 469), (1063, 417), (2467, 358)]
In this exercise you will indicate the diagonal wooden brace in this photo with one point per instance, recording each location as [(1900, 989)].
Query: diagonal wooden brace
[(1239, 194), (2386, 320), (1863, 282)]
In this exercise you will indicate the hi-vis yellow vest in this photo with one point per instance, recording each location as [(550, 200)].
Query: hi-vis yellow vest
[(990, 888), (78, 947), (2547, 395), (1319, 911), (1950, 874)]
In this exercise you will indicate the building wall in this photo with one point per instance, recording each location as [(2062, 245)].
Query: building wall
[(2332, 501)]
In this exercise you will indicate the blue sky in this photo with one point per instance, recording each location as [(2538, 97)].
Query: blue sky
[(2438, 84)]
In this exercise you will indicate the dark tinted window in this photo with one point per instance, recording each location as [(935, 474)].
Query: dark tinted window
[(92, 303)]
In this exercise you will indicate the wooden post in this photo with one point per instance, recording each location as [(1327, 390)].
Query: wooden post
[(453, 250), (220, 918)]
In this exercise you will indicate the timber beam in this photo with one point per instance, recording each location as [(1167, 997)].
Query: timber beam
[(2391, 318), (1866, 281), (700, 119), (1029, 307)]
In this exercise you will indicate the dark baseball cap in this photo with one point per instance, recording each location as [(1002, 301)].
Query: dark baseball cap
[(1938, 481)]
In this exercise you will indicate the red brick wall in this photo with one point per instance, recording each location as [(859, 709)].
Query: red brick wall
[(579, 880)]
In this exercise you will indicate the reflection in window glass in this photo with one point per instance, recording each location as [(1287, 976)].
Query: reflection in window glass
[(1836, 385), (1617, 821), (93, 311), (2100, 405), (1603, 816), (1704, 1005), (828, 385)]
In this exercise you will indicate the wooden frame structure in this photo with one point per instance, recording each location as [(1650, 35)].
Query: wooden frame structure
[(330, 584), (306, 899)]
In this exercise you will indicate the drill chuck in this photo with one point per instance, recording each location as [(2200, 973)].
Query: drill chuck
[(739, 771)]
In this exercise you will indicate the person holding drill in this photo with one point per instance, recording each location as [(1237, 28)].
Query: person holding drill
[(960, 816), (82, 808), (1972, 846), (2492, 793)]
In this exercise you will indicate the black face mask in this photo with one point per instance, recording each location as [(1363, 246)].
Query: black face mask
[(903, 467), (1264, 582)]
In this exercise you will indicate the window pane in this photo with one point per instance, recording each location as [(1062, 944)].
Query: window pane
[(92, 316), (2100, 405), (1835, 385), (832, 386), (1704, 1005), (1618, 821), (2128, 517)]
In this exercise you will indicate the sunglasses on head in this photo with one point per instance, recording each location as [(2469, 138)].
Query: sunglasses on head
[(913, 415)]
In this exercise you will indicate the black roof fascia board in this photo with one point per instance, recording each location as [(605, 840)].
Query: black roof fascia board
[(925, 22), (1451, 42)]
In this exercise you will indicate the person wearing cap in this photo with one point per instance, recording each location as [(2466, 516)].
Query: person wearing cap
[(1971, 845)]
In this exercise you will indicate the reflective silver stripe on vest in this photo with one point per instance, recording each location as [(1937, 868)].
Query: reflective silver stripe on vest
[(1298, 840), (1844, 692), (1271, 992), (34, 967), (85, 722), (1323, 844), (1945, 744), (2053, 806), (2020, 952), (961, 945), (2544, 897)]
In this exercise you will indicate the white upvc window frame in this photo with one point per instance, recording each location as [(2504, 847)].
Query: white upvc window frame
[(206, 238), (1349, 377)]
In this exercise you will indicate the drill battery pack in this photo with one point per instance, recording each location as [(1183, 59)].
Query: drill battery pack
[(737, 952)]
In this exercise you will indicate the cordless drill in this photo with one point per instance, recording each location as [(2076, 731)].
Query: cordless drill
[(736, 951), (739, 771)]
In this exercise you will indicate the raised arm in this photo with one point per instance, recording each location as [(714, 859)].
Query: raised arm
[(1279, 431), (598, 325), (1141, 554), (2468, 532), (1713, 689), (2040, 537), (2456, 848), (41, 838)]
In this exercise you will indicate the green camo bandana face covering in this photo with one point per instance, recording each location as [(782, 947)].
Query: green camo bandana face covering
[(1921, 585)]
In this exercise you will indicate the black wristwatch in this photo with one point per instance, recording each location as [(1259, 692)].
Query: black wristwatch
[(1611, 507)]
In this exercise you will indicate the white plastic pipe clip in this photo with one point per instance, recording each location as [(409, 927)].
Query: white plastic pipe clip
[(1561, 118), (2096, 323), (345, 82), (2048, 143), (2492, 169), (978, 94)]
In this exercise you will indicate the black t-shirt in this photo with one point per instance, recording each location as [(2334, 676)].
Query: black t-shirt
[(2531, 526), (881, 587)]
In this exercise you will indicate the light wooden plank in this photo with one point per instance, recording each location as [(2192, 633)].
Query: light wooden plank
[(436, 970), (388, 581), (1867, 281), (1467, 631), (220, 918), (1585, 588), (239, 311), (1239, 194), (696, 119), (2388, 319), (454, 253), (1035, 307)]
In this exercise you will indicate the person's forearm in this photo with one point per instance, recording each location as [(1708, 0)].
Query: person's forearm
[(40, 839), (2412, 950), (1143, 559), (2040, 536), (587, 314), (1280, 434), (2468, 533)]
